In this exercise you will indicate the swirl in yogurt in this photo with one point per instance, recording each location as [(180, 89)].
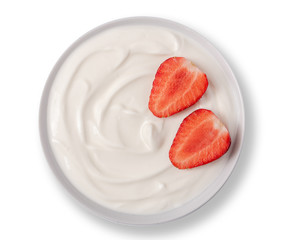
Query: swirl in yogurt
[(105, 139)]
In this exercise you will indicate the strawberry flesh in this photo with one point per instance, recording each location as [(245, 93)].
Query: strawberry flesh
[(201, 139), (178, 84)]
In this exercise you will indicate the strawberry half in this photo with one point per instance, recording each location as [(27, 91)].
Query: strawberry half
[(178, 84), (201, 138)]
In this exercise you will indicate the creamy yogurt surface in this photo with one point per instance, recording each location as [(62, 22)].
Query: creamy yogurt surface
[(104, 137)]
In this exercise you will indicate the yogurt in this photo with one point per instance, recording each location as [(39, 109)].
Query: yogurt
[(105, 139)]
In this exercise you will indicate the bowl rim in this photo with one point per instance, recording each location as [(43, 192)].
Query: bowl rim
[(135, 219)]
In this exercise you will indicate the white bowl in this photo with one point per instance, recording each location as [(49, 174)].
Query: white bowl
[(188, 207)]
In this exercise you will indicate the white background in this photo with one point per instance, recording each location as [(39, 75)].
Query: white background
[(33, 34)]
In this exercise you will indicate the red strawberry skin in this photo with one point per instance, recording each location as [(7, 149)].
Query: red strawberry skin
[(201, 139), (178, 84)]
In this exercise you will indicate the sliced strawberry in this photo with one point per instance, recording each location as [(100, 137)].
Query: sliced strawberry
[(178, 84), (201, 138)]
